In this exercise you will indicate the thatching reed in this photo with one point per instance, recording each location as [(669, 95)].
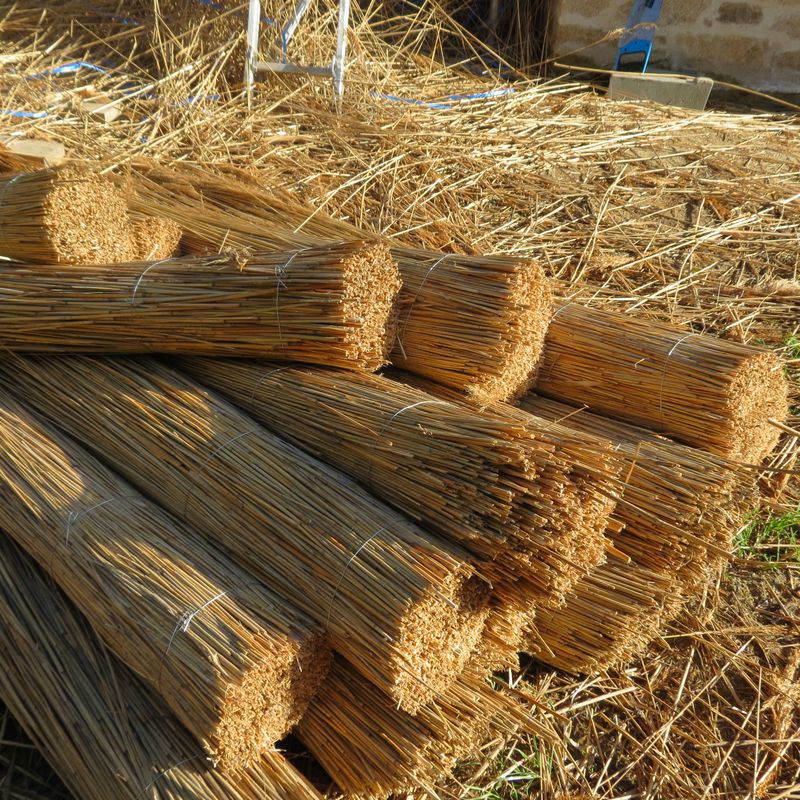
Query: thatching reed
[(236, 663), (476, 323), (567, 518), (229, 211), (329, 305), (403, 607), (709, 393), (372, 750), (64, 215), (679, 506), (155, 238), (480, 480), (104, 732), (610, 616)]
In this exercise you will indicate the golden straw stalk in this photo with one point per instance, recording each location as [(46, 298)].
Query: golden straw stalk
[(709, 393), (403, 607), (330, 305), (164, 600), (105, 734)]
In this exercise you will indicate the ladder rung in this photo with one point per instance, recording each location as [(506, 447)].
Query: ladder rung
[(280, 66)]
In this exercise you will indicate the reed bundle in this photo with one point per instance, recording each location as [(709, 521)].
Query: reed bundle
[(372, 750), (155, 238), (401, 606), (472, 477), (476, 323), (709, 393), (331, 305), (168, 604), (64, 215), (572, 514), (103, 731), (679, 506), (610, 615), (230, 211)]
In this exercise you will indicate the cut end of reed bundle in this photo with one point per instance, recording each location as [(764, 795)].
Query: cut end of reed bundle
[(473, 323), (270, 701), (706, 392), (155, 238), (371, 283), (438, 635), (64, 215)]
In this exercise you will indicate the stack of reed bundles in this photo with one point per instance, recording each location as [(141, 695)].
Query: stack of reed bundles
[(373, 750), (610, 615), (475, 323), (709, 393), (485, 482), (236, 663), (64, 215), (331, 305), (103, 731), (679, 507), (405, 608)]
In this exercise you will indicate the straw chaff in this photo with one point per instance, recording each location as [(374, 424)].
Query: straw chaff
[(679, 506), (236, 663), (372, 750), (481, 480), (476, 323), (64, 215), (710, 393), (610, 615), (103, 731), (403, 607), (330, 305)]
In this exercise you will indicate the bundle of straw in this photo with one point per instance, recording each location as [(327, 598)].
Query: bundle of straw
[(569, 516), (679, 506), (476, 323), (472, 477), (401, 606), (64, 215), (229, 212), (710, 393), (331, 305), (610, 615), (155, 238), (372, 750), (102, 730), (168, 604)]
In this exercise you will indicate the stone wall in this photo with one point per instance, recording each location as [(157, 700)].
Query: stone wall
[(756, 44)]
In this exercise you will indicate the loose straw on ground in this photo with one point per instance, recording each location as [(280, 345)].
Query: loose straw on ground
[(470, 476), (709, 393), (104, 732), (403, 607), (330, 305), (372, 750), (64, 215), (236, 663)]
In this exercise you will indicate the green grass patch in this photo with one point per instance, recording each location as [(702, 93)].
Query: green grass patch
[(771, 537), (518, 774)]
